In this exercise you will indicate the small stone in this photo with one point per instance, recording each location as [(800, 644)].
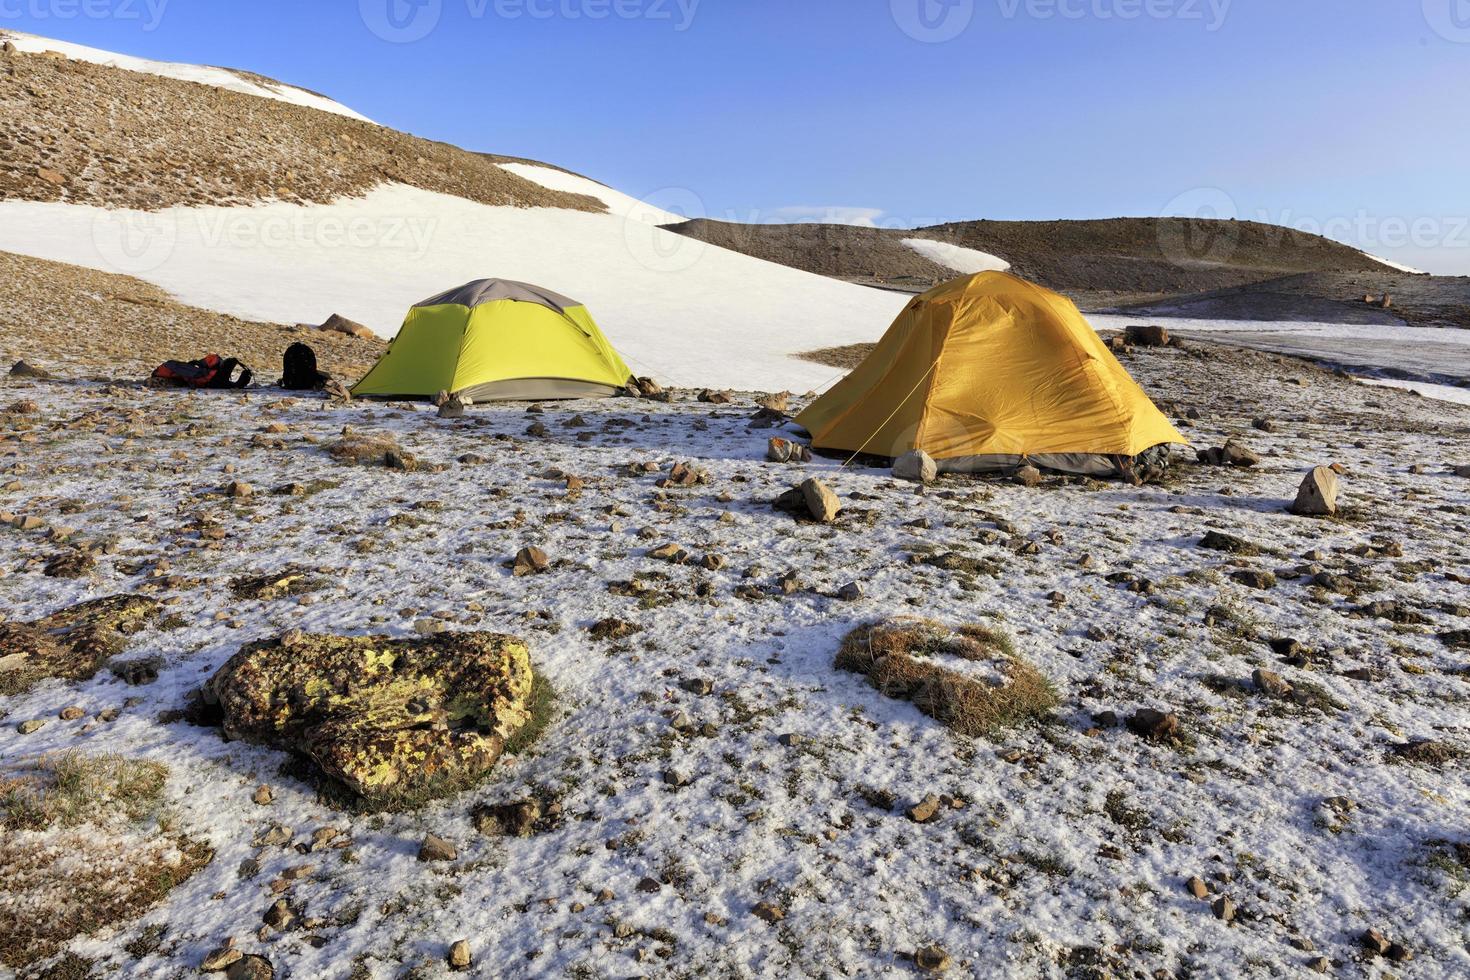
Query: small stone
[(239, 489), (1028, 476), (436, 848), (778, 450), (530, 561), (221, 959), (1146, 336), (71, 713), (1255, 578), (821, 502), (1224, 909), (1196, 886), (264, 795), (1264, 425), (30, 727), (789, 739), (675, 778), (1374, 942), (650, 886), (20, 369), (1319, 964), (1153, 724), (1270, 683), (698, 686), (251, 967), (279, 915), (932, 959), (459, 957), (926, 810), (917, 467), (851, 592), (1317, 496), (769, 912)]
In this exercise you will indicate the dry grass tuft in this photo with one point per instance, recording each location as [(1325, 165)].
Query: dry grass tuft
[(363, 447), (839, 357), (899, 659), (84, 847), (70, 789)]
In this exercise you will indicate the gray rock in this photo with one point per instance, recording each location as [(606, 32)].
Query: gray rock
[(917, 466), (1271, 683), (1317, 496), (1028, 476), (821, 502), (436, 848)]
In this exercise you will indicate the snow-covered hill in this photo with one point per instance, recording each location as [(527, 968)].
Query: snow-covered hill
[(224, 78), (681, 311)]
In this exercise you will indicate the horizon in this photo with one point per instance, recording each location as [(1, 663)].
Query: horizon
[(1266, 116)]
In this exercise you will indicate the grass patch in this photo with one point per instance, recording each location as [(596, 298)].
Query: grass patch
[(71, 789), (86, 846), (900, 659)]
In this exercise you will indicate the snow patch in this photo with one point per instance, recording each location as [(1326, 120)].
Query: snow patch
[(218, 77), (1444, 393), (1394, 265), (649, 211), (968, 261), (679, 310)]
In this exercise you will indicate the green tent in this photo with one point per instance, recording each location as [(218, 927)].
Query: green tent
[(496, 340)]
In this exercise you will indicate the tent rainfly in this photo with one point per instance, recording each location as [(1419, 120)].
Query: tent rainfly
[(497, 340), (987, 373)]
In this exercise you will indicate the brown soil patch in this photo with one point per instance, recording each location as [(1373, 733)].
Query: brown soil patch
[(76, 322)]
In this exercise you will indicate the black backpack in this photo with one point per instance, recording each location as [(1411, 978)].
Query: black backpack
[(299, 372)]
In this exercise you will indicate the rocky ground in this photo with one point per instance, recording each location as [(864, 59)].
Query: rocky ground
[(1158, 731), (135, 326)]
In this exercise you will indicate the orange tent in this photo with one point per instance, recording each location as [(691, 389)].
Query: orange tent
[(985, 372)]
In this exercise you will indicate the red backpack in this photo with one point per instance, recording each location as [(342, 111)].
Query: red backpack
[(210, 371)]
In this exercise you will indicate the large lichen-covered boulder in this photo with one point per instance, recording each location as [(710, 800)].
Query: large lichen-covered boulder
[(72, 644), (392, 720)]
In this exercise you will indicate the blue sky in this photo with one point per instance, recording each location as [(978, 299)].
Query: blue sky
[(1348, 116)]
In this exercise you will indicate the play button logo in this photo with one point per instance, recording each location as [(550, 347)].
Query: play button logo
[(933, 21), (1450, 19), (401, 21)]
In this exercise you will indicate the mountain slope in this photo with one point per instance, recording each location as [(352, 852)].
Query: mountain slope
[(84, 133), (273, 212), (229, 79), (1096, 262)]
